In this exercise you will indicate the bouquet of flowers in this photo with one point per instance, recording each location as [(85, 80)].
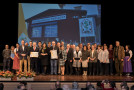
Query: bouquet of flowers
[(26, 75), (6, 74)]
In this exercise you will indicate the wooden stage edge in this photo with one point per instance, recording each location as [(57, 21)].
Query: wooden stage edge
[(79, 78)]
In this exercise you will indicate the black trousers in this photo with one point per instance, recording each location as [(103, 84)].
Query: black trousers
[(98, 67), (92, 68), (6, 64), (69, 67), (114, 70), (49, 66), (101, 68), (34, 64), (44, 69), (111, 66), (39, 66), (106, 68)]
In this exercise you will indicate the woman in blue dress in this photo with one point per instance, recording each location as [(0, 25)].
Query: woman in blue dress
[(12, 55), (127, 61)]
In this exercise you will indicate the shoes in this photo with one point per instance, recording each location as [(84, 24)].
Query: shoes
[(62, 74), (83, 73), (116, 74), (86, 73), (100, 74), (93, 74), (59, 73), (37, 73), (90, 74), (128, 74), (43, 74)]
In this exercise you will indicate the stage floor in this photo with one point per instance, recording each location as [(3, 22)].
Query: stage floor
[(80, 78)]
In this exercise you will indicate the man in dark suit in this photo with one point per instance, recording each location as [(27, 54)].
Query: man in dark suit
[(23, 52), (69, 60), (54, 61), (28, 56), (49, 58), (34, 60), (39, 60)]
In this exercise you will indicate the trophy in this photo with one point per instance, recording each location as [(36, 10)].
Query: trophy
[(42, 50)]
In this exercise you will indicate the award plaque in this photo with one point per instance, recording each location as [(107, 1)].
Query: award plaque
[(34, 54), (54, 54)]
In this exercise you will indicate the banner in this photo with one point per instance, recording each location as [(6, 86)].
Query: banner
[(86, 27)]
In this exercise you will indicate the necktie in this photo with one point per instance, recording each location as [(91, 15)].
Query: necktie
[(67, 50), (34, 48)]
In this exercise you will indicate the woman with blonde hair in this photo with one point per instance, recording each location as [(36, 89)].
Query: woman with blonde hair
[(62, 59), (105, 58), (77, 54)]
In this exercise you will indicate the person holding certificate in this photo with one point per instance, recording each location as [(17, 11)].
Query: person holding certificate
[(44, 52), (34, 57), (54, 50)]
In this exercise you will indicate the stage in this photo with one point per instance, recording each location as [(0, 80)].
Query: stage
[(80, 78)]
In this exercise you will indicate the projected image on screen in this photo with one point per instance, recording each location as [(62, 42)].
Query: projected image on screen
[(71, 23)]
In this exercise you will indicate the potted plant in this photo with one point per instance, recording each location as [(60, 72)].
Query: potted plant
[(6, 75), (21, 76)]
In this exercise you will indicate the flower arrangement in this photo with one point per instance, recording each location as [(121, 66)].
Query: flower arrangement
[(20, 74), (6, 74)]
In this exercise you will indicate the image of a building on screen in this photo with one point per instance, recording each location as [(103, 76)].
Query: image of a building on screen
[(70, 23)]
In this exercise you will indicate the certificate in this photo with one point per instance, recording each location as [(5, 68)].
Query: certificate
[(34, 54), (54, 54)]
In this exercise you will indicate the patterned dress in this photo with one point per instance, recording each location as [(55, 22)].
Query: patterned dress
[(62, 57), (16, 62)]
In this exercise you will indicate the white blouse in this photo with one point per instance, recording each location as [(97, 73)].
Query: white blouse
[(100, 53), (131, 53), (105, 56), (16, 49)]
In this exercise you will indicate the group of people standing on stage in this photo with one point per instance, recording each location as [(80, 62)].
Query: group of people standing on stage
[(82, 59)]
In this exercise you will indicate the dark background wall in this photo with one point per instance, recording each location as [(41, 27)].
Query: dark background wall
[(116, 22)]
